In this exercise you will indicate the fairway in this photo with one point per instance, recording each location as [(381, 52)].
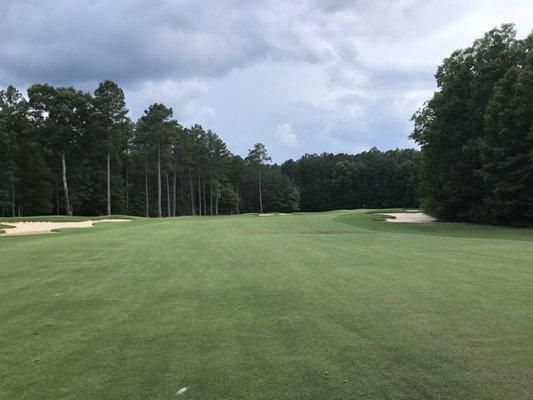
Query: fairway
[(334, 305)]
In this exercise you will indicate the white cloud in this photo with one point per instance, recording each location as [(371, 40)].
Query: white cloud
[(187, 97), (286, 135)]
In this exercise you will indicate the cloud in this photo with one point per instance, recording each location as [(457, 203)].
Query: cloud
[(286, 135), (128, 40), (185, 96), (347, 74)]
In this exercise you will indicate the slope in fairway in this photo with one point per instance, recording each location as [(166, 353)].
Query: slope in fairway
[(336, 305)]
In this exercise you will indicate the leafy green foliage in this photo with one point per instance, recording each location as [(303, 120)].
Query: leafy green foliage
[(476, 136), (258, 154), (228, 199), (371, 179)]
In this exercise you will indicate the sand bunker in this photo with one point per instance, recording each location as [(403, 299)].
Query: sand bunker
[(413, 217), (272, 214), (32, 228)]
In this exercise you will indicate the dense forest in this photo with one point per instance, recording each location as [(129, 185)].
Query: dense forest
[(476, 133), (64, 151), (371, 179)]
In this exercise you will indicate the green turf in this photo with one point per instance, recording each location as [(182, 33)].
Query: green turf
[(336, 305)]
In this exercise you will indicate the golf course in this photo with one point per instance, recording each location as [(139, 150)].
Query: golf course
[(331, 305)]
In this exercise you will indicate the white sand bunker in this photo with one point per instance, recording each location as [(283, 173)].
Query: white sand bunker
[(32, 228), (272, 214), (413, 217)]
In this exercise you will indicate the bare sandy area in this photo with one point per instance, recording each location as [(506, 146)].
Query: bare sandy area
[(32, 228), (413, 217), (272, 214)]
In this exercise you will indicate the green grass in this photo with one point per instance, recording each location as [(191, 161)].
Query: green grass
[(336, 305)]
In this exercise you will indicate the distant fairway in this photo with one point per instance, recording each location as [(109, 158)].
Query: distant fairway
[(336, 305)]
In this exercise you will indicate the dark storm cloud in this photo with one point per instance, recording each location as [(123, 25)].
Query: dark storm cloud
[(70, 41), (80, 41)]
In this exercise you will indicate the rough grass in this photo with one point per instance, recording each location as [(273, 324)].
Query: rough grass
[(336, 305)]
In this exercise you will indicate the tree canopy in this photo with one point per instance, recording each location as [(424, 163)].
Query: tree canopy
[(371, 179), (65, 151), (476, 133)]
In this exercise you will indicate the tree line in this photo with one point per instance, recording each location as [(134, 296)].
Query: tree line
[(371, 179), (65, 151), (476, 133)]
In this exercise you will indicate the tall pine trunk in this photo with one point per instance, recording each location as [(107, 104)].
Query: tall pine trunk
[(211, 195), (205, 204), (216, 201), (57, 196), (174, 183), (68, 210), (191, 185), (13, 207), (127, 186), (108, 182), (174, 186), (146, 189), (260, 194), (199, 195), (181, 179), (238, 198), (169, 212), (159, 213)]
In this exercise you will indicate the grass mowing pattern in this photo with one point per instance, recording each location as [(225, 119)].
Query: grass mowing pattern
[(336, 305)]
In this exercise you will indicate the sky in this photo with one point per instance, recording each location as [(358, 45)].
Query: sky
[(301, 76)]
